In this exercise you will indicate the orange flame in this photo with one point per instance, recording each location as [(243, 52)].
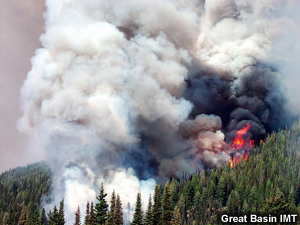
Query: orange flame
[(239, 143), (231, 162), (246, 157)]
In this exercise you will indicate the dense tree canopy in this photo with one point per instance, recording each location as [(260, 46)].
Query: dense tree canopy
[(23, 186), (268, 183)]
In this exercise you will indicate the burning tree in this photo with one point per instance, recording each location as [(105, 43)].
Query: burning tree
[(241, 145)]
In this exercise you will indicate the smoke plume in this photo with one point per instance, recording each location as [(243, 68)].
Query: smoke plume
[(130, 93)]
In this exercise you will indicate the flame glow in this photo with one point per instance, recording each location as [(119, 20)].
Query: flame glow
[(231, 162), (241, 145)]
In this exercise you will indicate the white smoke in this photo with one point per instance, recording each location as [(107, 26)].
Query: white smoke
[(110, 79), (92, 91)]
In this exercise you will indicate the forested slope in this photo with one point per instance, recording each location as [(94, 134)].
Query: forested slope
[(23, 186), (268, 183)]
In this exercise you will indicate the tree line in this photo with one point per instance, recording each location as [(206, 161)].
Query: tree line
[(269, 183), (23, 187)]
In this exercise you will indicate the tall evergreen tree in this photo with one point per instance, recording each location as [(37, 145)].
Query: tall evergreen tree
[(61, 218), (197, 200), (101, 207), (118, 213), (5, 220), (30, 210), (245, 208), (148, 219), (54, 217), (87, 214), (43, 219), (176, 217), (109, 220), (221, 190), (166, 205), (138, 213), (189, 192), (157, 211), (34, 219), (174, 192), (77, 217), (24, 218), (181, 204), (113, 202), (276, 205), (92, 215)]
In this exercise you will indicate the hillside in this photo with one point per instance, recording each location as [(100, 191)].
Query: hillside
[(23, 186), (268, 183)]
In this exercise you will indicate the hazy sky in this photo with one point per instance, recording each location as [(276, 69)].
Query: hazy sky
[(21, 24)]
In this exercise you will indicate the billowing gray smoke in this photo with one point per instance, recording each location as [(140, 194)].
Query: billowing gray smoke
[(133, 92)]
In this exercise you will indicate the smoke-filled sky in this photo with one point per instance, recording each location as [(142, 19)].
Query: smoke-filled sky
[(21, 24), (140, 91)]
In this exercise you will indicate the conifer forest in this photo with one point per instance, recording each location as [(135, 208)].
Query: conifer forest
[(149, 112), (268, 183)]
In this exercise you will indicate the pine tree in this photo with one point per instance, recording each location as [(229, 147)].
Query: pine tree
[(109, 220), (138, 214), (148, 218), (181, 204), (54, 217), (189, 193), (231, 204), (197, 200), (204, 195), (92, 215), (101, 207), (156, 211), (43, 219), (61, 219), (176, 217), (35, 217), (221, 190), (5, 220), (118, 213), (77, 217), (211, 189), (174, 192), (245, 208), (277, 205), (113, 202), (24, 219), (30, 210), (166, 205), (87, 214)]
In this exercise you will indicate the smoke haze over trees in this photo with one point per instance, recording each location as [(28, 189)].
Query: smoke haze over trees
[(268, 183), (137, 92)]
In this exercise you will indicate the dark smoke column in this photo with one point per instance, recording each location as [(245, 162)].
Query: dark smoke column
[(134, 92)]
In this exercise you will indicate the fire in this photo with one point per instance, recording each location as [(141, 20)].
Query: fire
[(241, 143), (231, 162), (246, 157)]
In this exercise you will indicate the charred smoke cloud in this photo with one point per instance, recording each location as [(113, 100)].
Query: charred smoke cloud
[(135, 92), (254, 97)]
